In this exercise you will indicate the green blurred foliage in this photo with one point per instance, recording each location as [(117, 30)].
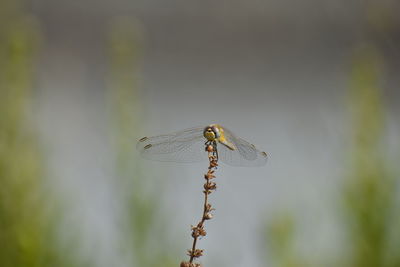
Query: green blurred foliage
[(23, 233), (28, 232), (369, 192), (281, 234), (368, 200), (368, 196), (144, 226)]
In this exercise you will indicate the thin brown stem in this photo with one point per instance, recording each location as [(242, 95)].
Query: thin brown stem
[(209, 187)]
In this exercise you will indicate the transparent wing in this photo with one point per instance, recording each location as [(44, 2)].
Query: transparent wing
[(182, 146), (245, 155)]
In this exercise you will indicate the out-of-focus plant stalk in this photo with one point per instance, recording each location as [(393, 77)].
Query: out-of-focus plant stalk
[(28, 219), (22, 216), (143, 230), (26, 229), (369, 190)]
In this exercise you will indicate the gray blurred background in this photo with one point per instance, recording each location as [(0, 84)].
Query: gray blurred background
[(291, 77)]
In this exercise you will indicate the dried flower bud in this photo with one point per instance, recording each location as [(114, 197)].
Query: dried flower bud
[(202, 232), (208, 176), (210, 186), (209, 207), (213, 163), (208, 216), (197, 231), (207, 192), (188, 264), (196, 253), (210, 148)]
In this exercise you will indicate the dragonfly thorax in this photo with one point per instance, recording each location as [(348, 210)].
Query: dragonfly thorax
[(211, 133)]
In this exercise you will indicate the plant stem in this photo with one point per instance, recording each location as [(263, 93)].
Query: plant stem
[(209, 187)]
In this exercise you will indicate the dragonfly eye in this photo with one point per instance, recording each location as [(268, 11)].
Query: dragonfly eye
[(215, 131)]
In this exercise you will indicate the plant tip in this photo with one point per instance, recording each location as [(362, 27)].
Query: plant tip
[(210, 148)]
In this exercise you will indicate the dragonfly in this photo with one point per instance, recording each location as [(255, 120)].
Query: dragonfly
[(188, 146)]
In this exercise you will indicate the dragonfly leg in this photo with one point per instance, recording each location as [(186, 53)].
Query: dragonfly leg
[(215, 152)]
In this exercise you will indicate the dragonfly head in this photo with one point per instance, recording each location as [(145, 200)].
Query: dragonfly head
[(211, 133)]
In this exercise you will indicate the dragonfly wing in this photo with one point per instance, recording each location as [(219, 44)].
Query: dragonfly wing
[(183, 146), (245, 154)]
